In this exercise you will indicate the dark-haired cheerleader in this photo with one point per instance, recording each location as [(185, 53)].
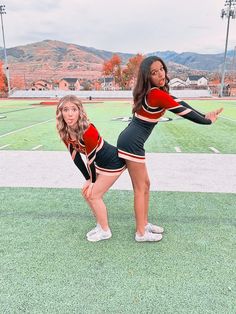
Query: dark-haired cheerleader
[(151, 100)]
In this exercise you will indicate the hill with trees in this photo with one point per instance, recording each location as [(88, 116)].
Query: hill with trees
[(52, 60)]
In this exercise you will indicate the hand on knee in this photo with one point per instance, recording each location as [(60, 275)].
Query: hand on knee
[(85, 197)]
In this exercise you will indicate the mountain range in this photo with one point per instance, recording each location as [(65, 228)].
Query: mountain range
[(50, 59)]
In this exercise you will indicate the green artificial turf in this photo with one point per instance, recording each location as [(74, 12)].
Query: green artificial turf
[(34, 125), (48, 266)]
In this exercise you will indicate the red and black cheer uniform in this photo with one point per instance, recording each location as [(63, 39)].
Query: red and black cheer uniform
[(101, 156), (131, 141)]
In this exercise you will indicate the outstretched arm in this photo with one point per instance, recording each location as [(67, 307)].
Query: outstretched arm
[(186, 111), (184, 104), (163, 100), (213, 115)]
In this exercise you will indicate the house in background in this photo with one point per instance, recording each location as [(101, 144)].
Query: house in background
[(176, 82), (41, 85), (69, 84), (108, 83), (196, 80)]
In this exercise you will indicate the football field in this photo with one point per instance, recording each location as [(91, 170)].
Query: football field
[(48, 266), (27, 125)]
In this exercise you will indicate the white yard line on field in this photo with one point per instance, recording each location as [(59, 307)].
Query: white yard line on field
[(27, 127), (36, 147), (214, 150), (4, 146), (177, 149), (233, 120)]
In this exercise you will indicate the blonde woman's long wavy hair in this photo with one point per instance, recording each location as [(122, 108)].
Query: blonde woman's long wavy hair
[(82, 124)]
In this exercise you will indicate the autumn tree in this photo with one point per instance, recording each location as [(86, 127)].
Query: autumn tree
[(133, 66), (123, 76), (112, 67), (107, 68), (3, 81)]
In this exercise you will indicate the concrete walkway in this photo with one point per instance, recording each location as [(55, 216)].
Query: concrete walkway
[(168, 172)]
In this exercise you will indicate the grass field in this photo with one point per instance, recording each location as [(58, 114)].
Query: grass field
[(33, 127), (47, 266)]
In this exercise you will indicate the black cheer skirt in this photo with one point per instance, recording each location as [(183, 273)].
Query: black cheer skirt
[(131, 140), (107, 161)]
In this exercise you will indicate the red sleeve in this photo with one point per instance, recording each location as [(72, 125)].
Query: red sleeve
[(158, 98), (91, 137)]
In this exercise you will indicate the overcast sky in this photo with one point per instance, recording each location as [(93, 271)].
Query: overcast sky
[(120, 26)]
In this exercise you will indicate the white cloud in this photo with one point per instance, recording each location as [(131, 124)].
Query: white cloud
[(126, 26)]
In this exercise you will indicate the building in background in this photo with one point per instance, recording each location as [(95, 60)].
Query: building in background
[(42, 85), (69, 84), (196, 80)]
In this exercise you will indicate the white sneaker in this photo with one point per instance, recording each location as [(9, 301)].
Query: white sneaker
[(153, 228), (148, 237), (94, 230), (99, 235)]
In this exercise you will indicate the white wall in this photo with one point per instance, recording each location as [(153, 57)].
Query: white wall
[(101, 94)]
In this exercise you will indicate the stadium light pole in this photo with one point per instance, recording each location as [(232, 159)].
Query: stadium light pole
[(2, 11), (230, 12)]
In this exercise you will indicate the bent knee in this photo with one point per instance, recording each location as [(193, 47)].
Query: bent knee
[(94, 197)]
